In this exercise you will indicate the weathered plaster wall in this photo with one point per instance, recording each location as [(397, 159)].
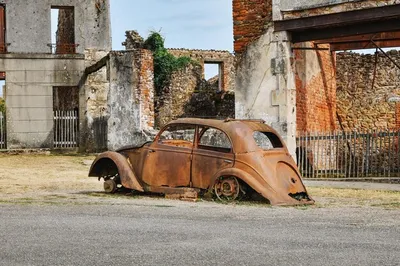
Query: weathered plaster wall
[(316, 89), (224, 58), (29, 24), (29, 94), (361, 105), (130, 97), (265, 85), (291, 9), (92, 101)]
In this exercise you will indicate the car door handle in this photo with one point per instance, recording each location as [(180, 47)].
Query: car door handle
[(228, 161), (151, 151)]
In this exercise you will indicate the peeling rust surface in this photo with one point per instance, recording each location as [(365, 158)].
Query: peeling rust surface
[(193, 156)]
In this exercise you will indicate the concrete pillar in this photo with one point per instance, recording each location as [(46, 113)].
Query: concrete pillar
[(265, 85)]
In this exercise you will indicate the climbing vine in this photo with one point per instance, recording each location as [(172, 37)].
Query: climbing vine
[(165, 64)]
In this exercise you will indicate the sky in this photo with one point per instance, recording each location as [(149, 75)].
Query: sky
[(194, 24)]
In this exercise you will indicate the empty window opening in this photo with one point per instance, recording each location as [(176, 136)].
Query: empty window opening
[(63, 30), (3, 45), (213, 74), (2, 84)]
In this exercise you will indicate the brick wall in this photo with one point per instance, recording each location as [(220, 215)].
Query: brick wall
[(250, 19), (146, 88), (361, 102), (316, 90)]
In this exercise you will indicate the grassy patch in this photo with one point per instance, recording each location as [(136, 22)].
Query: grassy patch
[(363, 197)]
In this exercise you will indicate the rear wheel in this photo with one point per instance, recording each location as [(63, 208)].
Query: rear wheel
[(227, 188)]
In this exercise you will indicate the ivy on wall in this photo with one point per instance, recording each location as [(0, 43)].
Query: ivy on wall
[(165, 64)]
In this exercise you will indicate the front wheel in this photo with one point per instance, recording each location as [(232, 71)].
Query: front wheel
[(110, 186), (227, 188)]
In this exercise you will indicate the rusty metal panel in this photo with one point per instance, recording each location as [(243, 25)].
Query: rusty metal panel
[(167, 166)]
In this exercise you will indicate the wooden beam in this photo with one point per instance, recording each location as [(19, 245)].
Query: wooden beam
[(347, 30), (364, 45), (382, 36), (336, 19)]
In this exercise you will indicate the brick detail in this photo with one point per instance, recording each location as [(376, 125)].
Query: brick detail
[(146, 88), (316, 95), (250, 19)]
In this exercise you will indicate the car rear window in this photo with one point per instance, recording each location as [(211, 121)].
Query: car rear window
[(267, 140)]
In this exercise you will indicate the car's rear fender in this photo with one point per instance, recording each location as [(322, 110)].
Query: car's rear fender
[(245, 177), (259, 185), (110, 161)]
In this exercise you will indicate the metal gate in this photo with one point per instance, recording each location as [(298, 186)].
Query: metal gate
[(3, 140), (66, 129)]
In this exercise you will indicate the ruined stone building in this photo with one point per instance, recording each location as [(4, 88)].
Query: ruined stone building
[(42, 76), (286, 61), (80, 92)]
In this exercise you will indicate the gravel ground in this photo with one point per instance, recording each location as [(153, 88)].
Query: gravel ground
[(165, 232), (53, 214)]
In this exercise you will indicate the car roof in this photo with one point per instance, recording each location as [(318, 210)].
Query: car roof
[(237, 130)]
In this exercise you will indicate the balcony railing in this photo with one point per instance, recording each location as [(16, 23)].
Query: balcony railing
[(66, 48)]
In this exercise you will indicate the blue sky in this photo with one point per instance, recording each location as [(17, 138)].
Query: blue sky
[(195, 24)]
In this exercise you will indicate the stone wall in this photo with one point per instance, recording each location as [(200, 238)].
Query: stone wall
[(250, 19), (316, 89), (170, 102), (360, 103), (92, 101), (224, 58)]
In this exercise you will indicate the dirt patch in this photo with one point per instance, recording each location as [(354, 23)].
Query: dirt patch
[(62, 179), (26, 176)]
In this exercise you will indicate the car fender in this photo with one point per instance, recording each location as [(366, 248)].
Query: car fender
[(245, 177), (259, 185), (125, 171)]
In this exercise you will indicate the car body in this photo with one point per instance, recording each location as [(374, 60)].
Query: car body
[(227, 157)]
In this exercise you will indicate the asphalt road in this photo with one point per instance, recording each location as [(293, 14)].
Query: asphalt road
[(165, 232)]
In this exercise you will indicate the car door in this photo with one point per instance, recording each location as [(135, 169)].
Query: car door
[(212, 153), (168, 161)]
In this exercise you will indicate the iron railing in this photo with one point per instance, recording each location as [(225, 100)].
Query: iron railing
[(349, 154)]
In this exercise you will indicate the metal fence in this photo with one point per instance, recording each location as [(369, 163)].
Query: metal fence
[(3, 140), (349, 154), (66, 129)]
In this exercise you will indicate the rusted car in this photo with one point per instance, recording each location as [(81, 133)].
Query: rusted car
[(229, 158)]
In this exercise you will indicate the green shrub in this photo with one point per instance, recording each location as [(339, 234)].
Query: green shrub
[(165, 64)]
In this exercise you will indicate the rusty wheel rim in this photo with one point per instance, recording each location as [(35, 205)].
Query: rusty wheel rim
[(227, 188), (110, 186)]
